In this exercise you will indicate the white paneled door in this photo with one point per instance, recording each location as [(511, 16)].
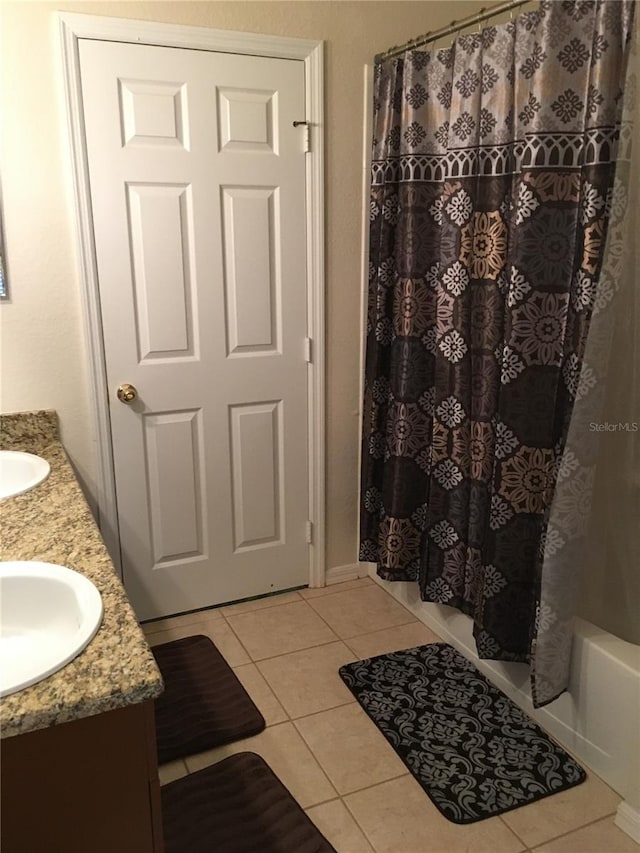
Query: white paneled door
[(198, 199)]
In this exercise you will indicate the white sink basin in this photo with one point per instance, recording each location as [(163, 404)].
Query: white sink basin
[(20, 472), (48, 615)]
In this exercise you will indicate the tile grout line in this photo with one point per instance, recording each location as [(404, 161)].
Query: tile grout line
[(389, 628), (319, 615), (282, 654), (317, 762), (404, 625), (293, 717), (304, 743), (317, 758), (305, 649), (292, 651), (269, 687), (571, 831), (334, 708), (322, 619), (409, 613), (344, 639), (364, 633), (242, 645), (340, 799), (362, 829), (323, 803), (323, 711), (375, 784), (513, 832)]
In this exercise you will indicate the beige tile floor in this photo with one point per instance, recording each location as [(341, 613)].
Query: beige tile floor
[(286, 650)]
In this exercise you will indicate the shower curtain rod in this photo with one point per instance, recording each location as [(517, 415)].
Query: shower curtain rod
[(453, 27)]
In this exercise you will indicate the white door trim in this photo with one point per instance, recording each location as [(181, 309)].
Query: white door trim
[(77, 26)]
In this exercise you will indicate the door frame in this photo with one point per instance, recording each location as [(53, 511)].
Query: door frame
[(72, 28)]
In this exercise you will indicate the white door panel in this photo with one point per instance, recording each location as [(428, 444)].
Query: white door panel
[(252, 273), (198, 199), (159, 231), (256, 466)]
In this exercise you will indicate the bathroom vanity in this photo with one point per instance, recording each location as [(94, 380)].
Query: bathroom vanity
[(78, 754)]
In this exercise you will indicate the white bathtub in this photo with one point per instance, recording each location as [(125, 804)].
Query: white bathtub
[(597, 720)]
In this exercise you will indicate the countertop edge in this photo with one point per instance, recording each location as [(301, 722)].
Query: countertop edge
[(117, 668)]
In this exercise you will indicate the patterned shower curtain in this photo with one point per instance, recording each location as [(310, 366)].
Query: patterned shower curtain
[(492, 173)]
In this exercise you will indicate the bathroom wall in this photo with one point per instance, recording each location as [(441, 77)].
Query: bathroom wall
[(610, 594), (42, 339), (611, 572)]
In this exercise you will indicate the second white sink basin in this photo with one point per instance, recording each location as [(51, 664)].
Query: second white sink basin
[(20, 472), (48, 615)]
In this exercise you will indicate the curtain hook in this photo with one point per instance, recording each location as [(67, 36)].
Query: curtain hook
[(480, 14)]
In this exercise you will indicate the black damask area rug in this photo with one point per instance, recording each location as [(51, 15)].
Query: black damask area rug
[(475, 753)]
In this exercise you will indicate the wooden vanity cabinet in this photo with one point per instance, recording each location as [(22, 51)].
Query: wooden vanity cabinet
[(87, 786)]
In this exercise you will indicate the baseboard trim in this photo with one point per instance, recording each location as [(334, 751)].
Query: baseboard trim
[(350, 572), (628, 820)]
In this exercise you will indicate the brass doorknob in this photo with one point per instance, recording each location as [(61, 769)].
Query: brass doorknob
[(126, 393)]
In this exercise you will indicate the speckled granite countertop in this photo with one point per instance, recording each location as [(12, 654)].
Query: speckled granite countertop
[(53, 524)]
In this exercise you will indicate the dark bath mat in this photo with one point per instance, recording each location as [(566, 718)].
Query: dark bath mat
[(203, 704), (236, 806), (475, 753)]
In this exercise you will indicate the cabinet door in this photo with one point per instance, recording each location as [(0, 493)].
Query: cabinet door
[(91, 784)]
